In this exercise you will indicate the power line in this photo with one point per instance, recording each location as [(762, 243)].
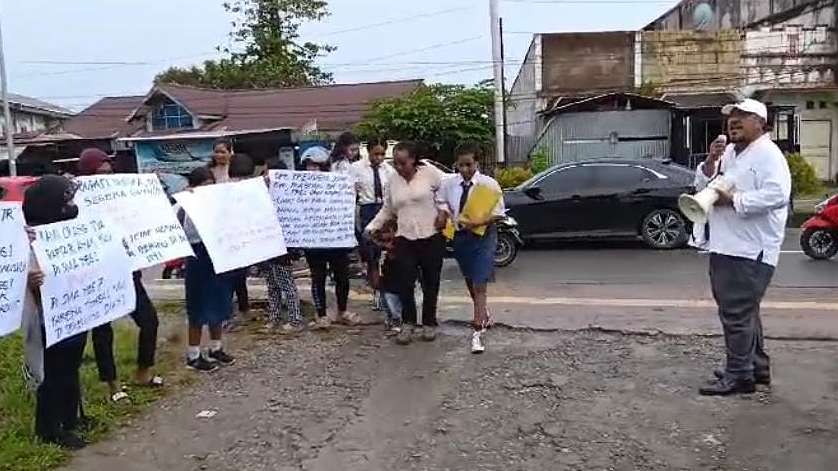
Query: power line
[(397, 20)]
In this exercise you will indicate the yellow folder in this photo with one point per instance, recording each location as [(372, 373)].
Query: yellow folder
[(479, 206)]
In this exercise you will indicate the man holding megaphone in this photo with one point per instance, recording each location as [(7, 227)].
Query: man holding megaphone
[(745, 213)]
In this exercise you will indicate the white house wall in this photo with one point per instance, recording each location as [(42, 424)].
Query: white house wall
[(818, 148)]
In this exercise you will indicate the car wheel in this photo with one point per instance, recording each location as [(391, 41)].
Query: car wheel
[(664, 229), (819, 244)]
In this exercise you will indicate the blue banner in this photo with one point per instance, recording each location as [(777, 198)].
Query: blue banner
[(173, 156)]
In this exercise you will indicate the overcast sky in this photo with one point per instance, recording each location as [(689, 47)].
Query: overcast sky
[(376, 39)]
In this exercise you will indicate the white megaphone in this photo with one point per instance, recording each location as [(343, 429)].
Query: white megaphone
[(697, 207)]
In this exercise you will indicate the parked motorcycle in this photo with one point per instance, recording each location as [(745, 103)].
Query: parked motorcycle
[(819, 239), (509, 242)]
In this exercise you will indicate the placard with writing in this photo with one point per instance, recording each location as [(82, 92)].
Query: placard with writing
[(87, 276), (14, 266), (236, 221), (315, 209), (139, 211)]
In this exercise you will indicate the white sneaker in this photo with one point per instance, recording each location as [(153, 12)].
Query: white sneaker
[(322, 323), (350, 318), (477, 346)]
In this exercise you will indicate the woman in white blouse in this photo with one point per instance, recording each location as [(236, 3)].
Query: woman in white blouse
[(412, 200)]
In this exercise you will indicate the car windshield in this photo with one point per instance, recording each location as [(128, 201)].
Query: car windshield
[(533, 179)]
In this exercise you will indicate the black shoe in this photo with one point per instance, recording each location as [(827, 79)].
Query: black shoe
[(201, 364), (763, 379), (221, 357), (68, 441), (727, 387)]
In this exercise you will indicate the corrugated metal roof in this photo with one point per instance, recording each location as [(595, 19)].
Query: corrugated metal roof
[(333, 107), (34, 103), (106, 119)]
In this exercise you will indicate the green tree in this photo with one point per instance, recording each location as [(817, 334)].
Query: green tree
[(266, 50), (441, 116)]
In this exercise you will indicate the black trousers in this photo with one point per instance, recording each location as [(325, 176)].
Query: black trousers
[(240, 287), (320, 263), (59, 395), (420, 258), (738, 286), (145, 316)]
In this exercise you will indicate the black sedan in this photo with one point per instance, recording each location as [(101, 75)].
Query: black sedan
[(612, 198)]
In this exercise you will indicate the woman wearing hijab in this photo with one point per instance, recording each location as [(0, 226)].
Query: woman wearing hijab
[(58, 400), (95, 162), (419, 247), (322, 260)]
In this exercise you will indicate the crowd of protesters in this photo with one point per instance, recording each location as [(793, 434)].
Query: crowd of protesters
[(401, 211)]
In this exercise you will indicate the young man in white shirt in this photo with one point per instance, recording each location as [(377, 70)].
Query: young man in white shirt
[(372, 180), (474, 253), (746, 229)]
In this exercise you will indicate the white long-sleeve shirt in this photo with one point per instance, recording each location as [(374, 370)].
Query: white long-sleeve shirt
[(365, 180), (762, 190)]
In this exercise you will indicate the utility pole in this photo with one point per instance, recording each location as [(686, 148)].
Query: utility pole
[(497, 61), (10, 128)]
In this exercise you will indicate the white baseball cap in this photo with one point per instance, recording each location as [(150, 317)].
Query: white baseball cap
[(316, 154), (747, 105)]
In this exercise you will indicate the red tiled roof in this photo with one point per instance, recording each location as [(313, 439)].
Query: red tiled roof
[(105, 119), (334, 107)]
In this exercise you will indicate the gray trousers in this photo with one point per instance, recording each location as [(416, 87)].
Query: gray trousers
[(739, 285)]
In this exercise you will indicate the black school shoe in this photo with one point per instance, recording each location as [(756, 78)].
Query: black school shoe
[(763, 379), (201, 364), (68, 441), (222, 357), (728, 387)]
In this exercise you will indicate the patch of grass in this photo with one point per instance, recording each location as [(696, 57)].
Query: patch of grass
[(21, 451)]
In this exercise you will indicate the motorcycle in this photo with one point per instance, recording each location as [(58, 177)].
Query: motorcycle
[(819, 239), (509, 242)]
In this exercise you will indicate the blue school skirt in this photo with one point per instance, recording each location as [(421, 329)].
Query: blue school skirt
[(209, 297), (476, 255)]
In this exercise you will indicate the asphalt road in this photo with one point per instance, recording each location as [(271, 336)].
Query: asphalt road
[(624, 286)]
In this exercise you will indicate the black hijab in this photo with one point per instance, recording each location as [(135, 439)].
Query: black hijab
[(49, 200)]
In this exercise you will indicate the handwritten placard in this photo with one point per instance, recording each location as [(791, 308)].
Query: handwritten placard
[(236, 221), (139, 211), (315, 209), (14, 265), (88, 279)]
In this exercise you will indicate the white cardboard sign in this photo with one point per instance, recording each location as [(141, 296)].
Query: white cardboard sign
[(88, 279), (315, 209), (14, 266), (137, 208), (236, 221)]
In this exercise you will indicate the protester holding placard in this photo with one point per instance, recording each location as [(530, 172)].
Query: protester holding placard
[(281, 286), (58, 399), (322, 260), (346, 151), (222, 154), (95, 162), (209, 297), (241, 167), (420, 247)]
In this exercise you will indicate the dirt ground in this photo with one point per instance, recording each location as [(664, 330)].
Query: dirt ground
[(352, 400)]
